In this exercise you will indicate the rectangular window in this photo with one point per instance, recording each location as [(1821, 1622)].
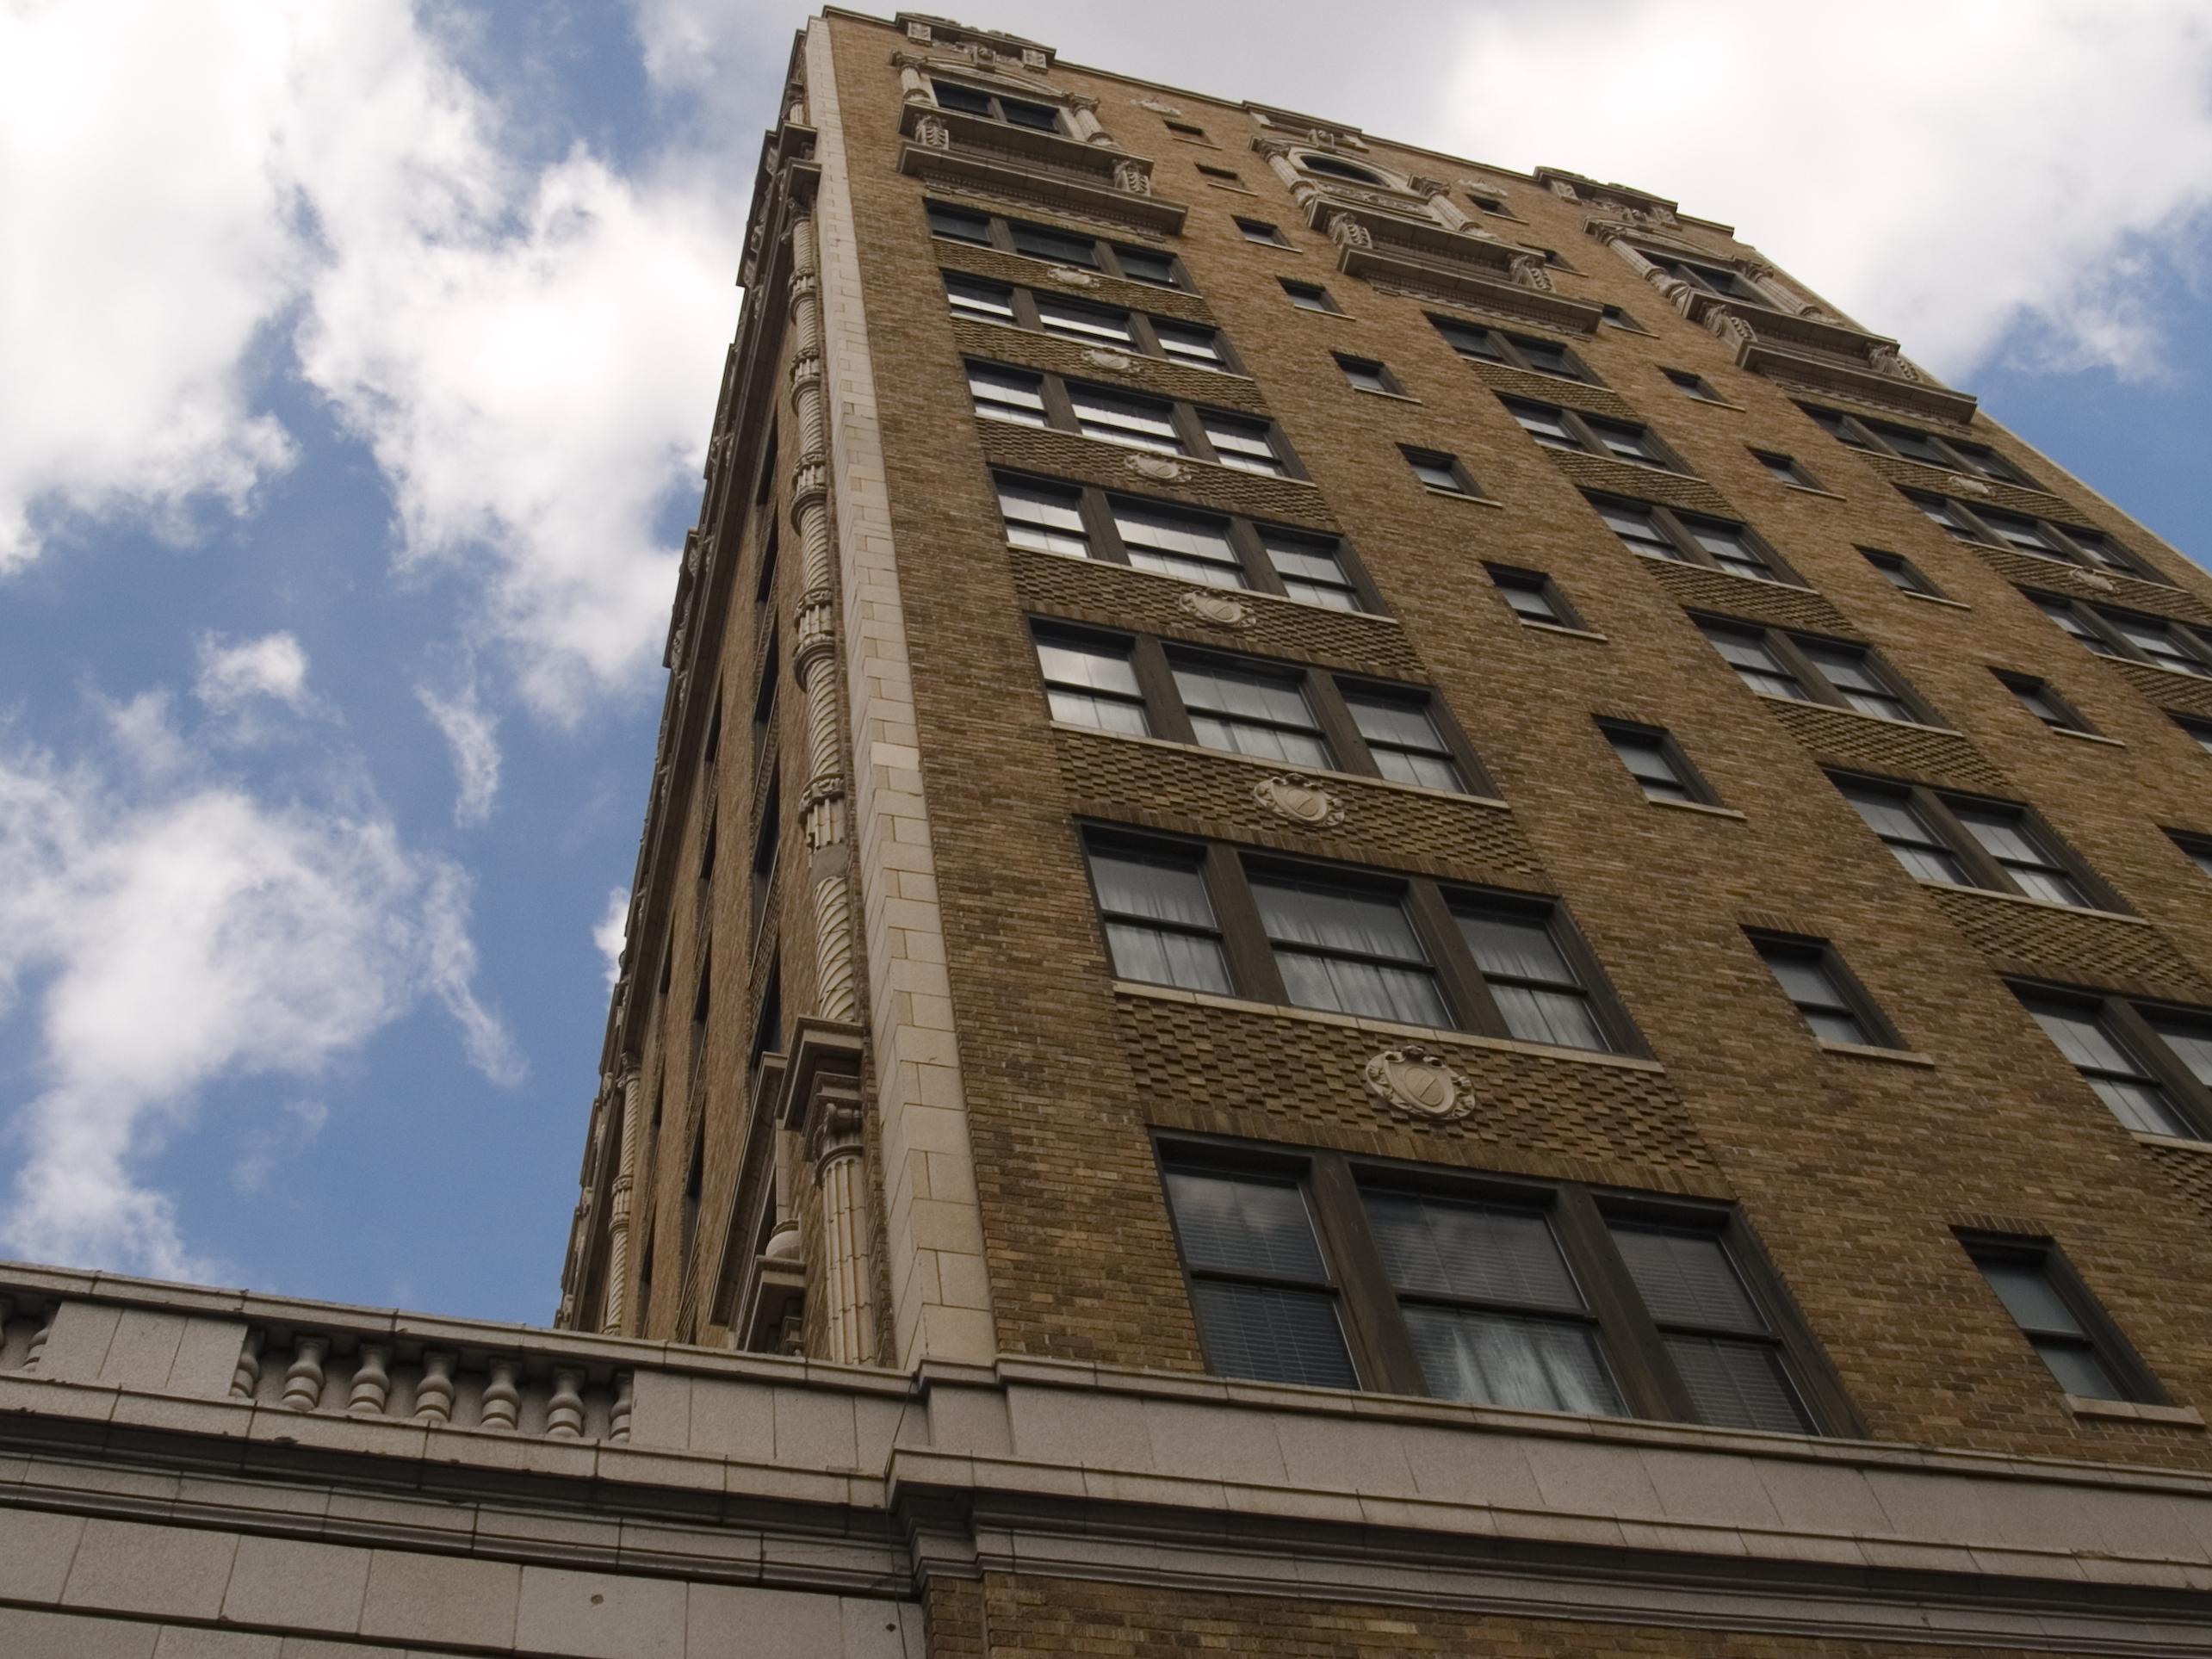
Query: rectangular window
[(1963, 841), (1114, 416), (1494, 205), (1565, 429), (2199, 731), (1247, 445), (1226, 177), (1189, 344), (1159, 921), (1439, 472), (1258, 230), (1348, 948), (1657, 762), (2198, 849), (1365, 374), (1310, 296), (985, 302), (1117, 417), (1218, 550), (1534, 597), (1787, 469), (959, 225), (1147, 265), (1184, 130), (1902, 574), (1087, 323), (1712, 279), (1290, 713), (1011, 394), (1523, 351), (1694, 386), (1060, 247), (2150, 1063), (1687, 538), (992, 106), (1807, 668), (1538, 993), (1105, 327), (1621, 319), (2039, 699), (1834, 1003), (1952, 454), (2128, 635), (2073, 1337), (1050, 243), (1534, 1296), (2038, 538)]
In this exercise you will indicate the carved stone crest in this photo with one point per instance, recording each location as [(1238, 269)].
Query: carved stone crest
[(1158, 467), (1966, 486), (1415, 1084), (1119, 362), (1068, 276), (1158, 109), (1301, 800), (1216, 610), (2102, 583)]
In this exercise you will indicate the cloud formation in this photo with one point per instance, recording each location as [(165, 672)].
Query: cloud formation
[(273, 665), (474, 737), (612, 933), (180, 931)]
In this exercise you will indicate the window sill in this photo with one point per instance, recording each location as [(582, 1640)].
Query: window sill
[(1732, 575), (1571, 632), (1316, 311), (1714, 403), (2128, 1411), (1705, 807), (2085, 736), (2151, 1138), (1878, 720), (1809, 489), (1233, 189), (1868, 1051), (1370, 392), (1275, 766), (1931, 599), (1381, 1028), (1467, 496), (2040, 904)]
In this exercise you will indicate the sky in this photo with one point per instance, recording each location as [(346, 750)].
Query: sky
[(356, 361)]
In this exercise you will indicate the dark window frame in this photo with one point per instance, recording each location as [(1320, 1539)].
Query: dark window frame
[(1678, 529), (1153, 660), (1352, 367), (996, 104), (1969, 460), (2062, 544), (1582, 1219), (1789, 470), (1852, 996), (1273, 237), (1586, 432), (1621, 319), (1511, 350), (2099, 1333), (1463, 481), (1432, 908), (2195, 846), (1246, 538), (1514, 578), (2099, 634), (2039, 698), (1918, 582), (2194, 728), (1734, 286), (1106, 255), (1936, 812), (1187, 418), (1691, 384), (1788, 646), (1495, 205), (2133, 1023), (1145, 336), (1696, 791), (1309, 296)]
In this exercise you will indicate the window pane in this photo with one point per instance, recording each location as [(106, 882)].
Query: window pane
[(986, 301), (1628, 442), (1143, 265), (1849, 671), (2160, 643), (1177, 544), (1501, 1359), (1040, 244), (1738, 1385), (2192, 1044), (1464, 1247), (1243, 444), (1050, 521), (1351, 920), (1158, 887), (1947, 515), (1239, 1223), (1252, 712), (1007, 393), (1730, 548), (1368, 377), (2132, 1095), (1036, 115), (1546, 426), (963, 98), (1529, 599), (1537, 993), (1755, 665), (1469, 341), (1397, 722), (2078, 1368), (1638, 529), (1374, 990), (1547, 358), (1192, 961), (2029, 1296), (1272, 1335), (1106, 714), (1348, 950), (2063, 613), (1109, 328), (1436, 473), (1903, 831), (1090, 683), (960, 226), (1119, 419), (1311, 571), (1686, 1278), (1805, 981), (1645, 757), (1197, 346), (2023, 534), (2007, 838)]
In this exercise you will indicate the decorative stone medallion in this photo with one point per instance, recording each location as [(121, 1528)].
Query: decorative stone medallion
[(1068, 276), (1965, 485), (1158, 467), (2097, 580), (1414, 1084), (1119, 362), (1301, 800), (1216, 610), (1158, 109)]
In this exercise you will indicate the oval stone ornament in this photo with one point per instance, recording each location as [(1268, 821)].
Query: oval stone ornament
[(1413, 1083), (1301, 800)]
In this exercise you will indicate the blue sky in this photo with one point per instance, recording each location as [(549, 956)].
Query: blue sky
[(357, 361)]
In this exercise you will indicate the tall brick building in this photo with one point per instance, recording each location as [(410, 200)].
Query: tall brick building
[(1517, 909)]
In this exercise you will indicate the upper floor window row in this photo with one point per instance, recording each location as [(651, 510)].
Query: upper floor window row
[(2150, 1063), (1216, 549), (1492, 345), (1687, 538), (1191, 344), (1030, 399), (2039, 538), (1207, 917), (1884, 437), (2129, 636), (1965, 841), (1277, 711), (1590, 435), (993, 105), (1059, 247), (1806, 668)]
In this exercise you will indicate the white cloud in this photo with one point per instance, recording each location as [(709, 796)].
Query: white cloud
[(273, 665), (184, 932), (613, 933), (473, 737)]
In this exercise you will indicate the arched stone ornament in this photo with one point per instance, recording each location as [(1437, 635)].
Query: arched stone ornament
[(1216, 610), (1068, 276), (1119, 363), (1418, 1085), (1301, 800), (1158, 468), (2091, 579)]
